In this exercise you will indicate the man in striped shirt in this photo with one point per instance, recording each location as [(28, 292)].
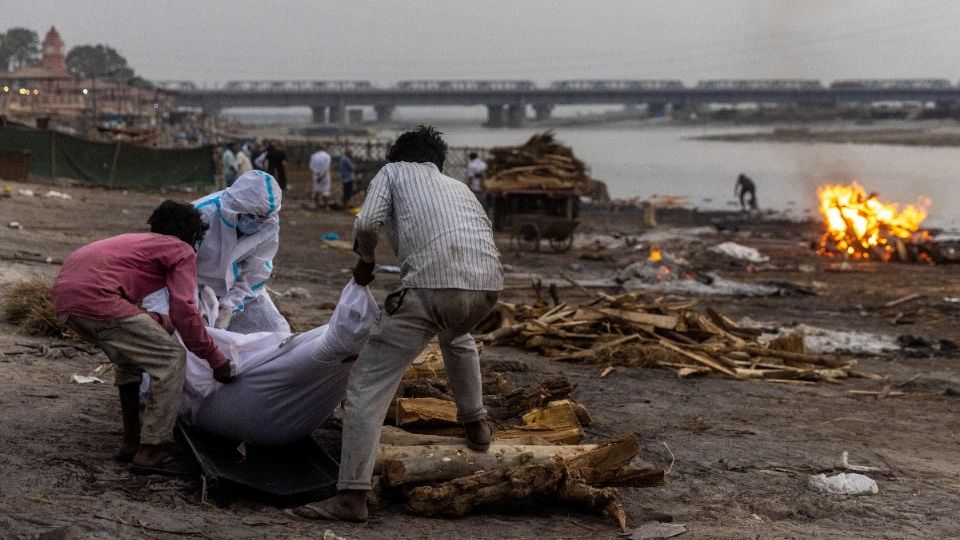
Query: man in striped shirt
[(451, 277)]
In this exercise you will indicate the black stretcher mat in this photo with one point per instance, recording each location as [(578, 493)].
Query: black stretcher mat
[(294, 471)]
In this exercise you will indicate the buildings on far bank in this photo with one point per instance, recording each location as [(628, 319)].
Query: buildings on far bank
[(48, 94)]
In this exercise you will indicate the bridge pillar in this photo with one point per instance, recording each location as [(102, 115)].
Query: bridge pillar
[(656, 110), (496, 116), (517, 115), (319, 114), (338, 114), (384, 112), (542, 112)]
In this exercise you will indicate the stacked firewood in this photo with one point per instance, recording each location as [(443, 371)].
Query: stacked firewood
[(539, 164), (624, 330), (536, 448)]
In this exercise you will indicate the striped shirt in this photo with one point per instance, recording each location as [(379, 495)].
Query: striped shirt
[(435, 225)]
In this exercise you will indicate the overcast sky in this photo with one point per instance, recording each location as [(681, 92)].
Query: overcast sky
[(384, 41)]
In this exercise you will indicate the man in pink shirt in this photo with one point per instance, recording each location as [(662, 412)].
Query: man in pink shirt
[(98, 294)]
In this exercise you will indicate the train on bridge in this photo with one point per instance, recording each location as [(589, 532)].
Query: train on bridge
[(575, 85)]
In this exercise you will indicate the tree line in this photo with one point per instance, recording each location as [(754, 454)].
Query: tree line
[(20, 48)]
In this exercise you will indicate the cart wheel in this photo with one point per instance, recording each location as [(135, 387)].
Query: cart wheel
[(527, 237), (559, 245)]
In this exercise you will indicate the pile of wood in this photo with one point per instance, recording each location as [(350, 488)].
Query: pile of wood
[(539, 164), (536, 448), (624, 330)]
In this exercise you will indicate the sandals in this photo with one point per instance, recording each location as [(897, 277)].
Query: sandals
[(168, 465), (321, 513)]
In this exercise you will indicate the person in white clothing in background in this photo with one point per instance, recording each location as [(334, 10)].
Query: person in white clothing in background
[(243, 162), (320, 167), (235, 258), (476, 172)]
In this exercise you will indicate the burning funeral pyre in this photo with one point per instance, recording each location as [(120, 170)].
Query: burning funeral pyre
[(862, 227)]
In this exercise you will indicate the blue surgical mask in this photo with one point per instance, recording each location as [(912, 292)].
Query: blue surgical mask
[(249, 225)]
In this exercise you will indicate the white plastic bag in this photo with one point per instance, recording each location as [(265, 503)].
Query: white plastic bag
[(844, 484), (740, 252)]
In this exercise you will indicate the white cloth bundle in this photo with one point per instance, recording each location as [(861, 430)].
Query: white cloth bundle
[(284, 389)]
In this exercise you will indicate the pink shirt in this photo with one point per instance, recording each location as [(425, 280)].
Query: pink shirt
[(107, 280)]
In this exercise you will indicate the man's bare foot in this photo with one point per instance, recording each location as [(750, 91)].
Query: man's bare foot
[(346, 505), (127, 450)]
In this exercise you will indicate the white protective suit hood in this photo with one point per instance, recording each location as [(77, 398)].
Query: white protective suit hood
[(237, 269)]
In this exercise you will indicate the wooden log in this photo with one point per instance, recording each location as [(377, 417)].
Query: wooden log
[(637, 318), (401, 437), (458, 497), (427, 365), (567, 479), (432, 463), (700, 359), (424, 388), (514, 404), (796, 357), (572, 435), (425, 412)]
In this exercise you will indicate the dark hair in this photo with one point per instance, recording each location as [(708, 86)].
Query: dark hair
[(473, 155), (422, 145), (178, 219)]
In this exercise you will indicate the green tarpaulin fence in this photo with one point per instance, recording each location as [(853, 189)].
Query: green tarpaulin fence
[(54, 154)]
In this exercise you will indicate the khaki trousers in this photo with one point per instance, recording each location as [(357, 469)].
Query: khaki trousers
[(137, 344), (394, 342)]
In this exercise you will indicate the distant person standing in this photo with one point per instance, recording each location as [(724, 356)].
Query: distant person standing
[(259, 156), (320, 167), (348, 171), (476, 172), (243, 163), (277, 163), (744, 187), (229, 160)]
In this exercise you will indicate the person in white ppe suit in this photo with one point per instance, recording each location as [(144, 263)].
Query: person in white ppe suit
[(235, 258)]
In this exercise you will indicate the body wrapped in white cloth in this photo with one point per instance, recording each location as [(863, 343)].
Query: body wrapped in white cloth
[(287, 384)]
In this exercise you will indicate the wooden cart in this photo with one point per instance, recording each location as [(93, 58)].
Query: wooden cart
[(534, 215)]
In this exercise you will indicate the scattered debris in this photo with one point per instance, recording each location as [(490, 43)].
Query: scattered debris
[(292, 292), (844, 484), (845, 463), (85, 379), (15, 225), (28, 305), (654, 530), (57, 195), (740, 252), (337, 244)]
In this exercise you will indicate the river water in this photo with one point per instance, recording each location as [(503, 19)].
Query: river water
[(645, 159), (669, 161)]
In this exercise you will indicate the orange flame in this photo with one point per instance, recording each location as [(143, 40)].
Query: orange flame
[(862, 226), (655, 255)]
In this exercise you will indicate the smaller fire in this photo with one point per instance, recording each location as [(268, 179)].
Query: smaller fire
[(655, 255), (861, 226)]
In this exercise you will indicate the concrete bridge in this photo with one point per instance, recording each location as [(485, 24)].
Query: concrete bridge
[(508, 101)]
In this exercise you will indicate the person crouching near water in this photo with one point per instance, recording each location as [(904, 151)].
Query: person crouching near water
[(98, 293), (236, 256), (451, 277)]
